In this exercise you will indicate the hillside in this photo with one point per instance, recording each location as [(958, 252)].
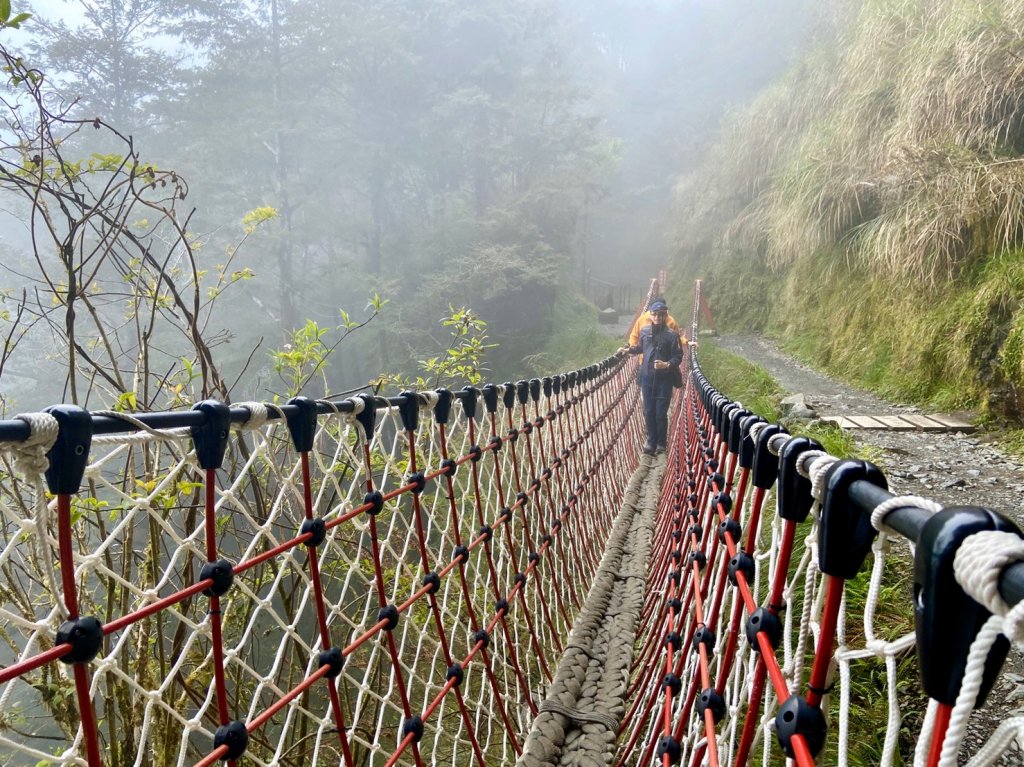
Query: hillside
[(868, 209)]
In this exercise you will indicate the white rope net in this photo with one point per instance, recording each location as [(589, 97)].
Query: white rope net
[(138, 536)]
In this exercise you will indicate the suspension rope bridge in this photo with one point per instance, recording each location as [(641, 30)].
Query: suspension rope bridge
[(482, 577)]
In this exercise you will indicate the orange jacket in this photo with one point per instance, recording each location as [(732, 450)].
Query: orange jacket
[(645, 319)]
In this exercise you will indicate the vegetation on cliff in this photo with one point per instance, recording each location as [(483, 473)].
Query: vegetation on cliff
[(868, 209)]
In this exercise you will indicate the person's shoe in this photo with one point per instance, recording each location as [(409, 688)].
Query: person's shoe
[(648, 450), (659, 450)]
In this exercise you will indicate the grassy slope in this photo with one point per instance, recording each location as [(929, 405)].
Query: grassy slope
[(869, 209)]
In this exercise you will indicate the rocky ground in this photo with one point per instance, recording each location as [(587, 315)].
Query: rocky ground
[(953, 468)]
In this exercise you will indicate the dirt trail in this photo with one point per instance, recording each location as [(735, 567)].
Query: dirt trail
[(951, 467)]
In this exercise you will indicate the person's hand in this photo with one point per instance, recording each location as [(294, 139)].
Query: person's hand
[(660, 364)]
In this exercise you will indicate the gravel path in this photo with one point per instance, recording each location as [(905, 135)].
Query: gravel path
[(951, 467)]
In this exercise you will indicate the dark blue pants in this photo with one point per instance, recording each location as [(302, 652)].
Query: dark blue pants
[(657, 394)]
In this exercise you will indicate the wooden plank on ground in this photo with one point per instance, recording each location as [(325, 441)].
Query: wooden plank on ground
[(894, 422), (923, 422), (841, 422), (952, 423), (866, 422)]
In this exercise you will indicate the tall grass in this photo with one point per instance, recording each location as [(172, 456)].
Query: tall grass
[(869, 207)]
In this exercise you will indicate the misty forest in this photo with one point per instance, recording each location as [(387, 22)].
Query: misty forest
[(252, 199)]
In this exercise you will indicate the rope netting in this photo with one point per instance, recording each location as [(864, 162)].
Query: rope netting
[(753, 646), (368, 582)]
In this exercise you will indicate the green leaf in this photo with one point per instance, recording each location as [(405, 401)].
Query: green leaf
[(15, 23), (5, 10)]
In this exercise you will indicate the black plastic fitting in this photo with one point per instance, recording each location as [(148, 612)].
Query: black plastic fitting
[(85, 635), (449, 467), (764, 620), (947, 619), (222, 573), (376, 500), (413, 726), (672, 682), (710, 700), (741, 563), (794, 490), (333, 658), (486, 531), (443, 406), (235, 736), (733, 528), (409, 410), (456, 672), (433, 580), (700, 558), (846, 533), (418, 480), (797, 717), (302, 423), (490, 395), (704, 636), (766, 466), (483, 638), (317, 530), (469, 401), (69, 455), (475, 453), (669, 746), (211, 437), (367, 417), (390, 614), (461, 553)]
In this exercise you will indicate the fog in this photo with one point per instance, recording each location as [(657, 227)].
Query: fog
[(305, 156)]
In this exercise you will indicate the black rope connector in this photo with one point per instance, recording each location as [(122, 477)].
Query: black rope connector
[(302, 423), (413, 726), (692, 499), (710, 699), (526, 428), (234, 736), (390, 614), (523, 499), (85, 635), (675, 604), (222, 573), (69, 455), (433, 580), (675, 555), (741, 563), (376, 499), (211, 437), (534, 557), (513, 435), (699, 557), (495, 443), (673, 638), (672, 682), (704, 636), (505, 514), (797, 717), (501, 606), (764, 620), (520, 578), (475, 453), (723, 501), (461, 553), (418, 480), (317, 530), (669, 746), (333, 658), (732, 527), (486, 531), (490, 394), (546, 538), (455, 672), (546, 473), (556, 525), (449, 467), (675, 576), (697, 530), (482, 638)]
